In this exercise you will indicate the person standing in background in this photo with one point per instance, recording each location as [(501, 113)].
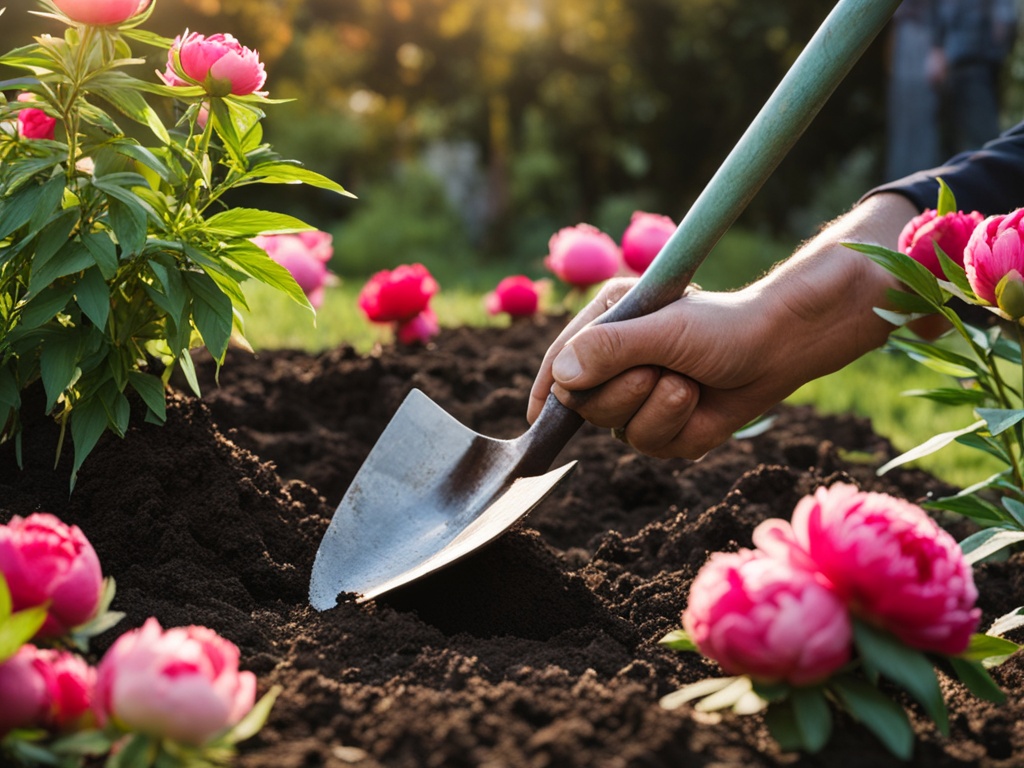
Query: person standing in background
[(912, 116), (971, 41)]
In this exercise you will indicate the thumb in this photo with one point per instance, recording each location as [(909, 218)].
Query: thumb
[(599, 353)]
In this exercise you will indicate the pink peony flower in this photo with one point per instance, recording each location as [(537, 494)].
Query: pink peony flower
[(397, 295), (182, 683), (44, 560), (34, 123), (24, 690), (101, 12), (994, 255), (644, 238), (418, 330), (762, 617), (951, 232), (318, 243), (72, 683), (305, 258), (582, 255), (219, 63), (886, 559), (517, 296)]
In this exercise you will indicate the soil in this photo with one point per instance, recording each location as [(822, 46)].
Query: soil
[(540, 650)]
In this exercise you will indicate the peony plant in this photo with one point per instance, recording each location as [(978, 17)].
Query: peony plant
[(982, 268), (858, 587), (119, 255), (173, 697)]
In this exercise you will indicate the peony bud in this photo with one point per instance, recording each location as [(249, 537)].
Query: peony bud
[(44, 560), (762, 617), (886, 559), (420, 329), (951, 232), (101, 12), (517, 296), (183, 684), (397, 295), (582, 255), (995, 249), (24, 690), (219, 63), (644, 238), (1010, 294)]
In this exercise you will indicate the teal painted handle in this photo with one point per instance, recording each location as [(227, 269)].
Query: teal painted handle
[(824, 62)]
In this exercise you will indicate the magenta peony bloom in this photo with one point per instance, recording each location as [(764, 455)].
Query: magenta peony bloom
[(886, 559), (644, 238), (101, 12), (72, 683), (219, 63), (305, 258), (582, 255), (994, 255), (762, 617), (43, 560), (517, 296), (25, 683), (418, 330), (34, 123), (182, 683), (951, 232), (397, 295)]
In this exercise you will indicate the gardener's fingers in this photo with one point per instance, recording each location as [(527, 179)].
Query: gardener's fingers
[(612, 291), (616, 402), (659, 423)]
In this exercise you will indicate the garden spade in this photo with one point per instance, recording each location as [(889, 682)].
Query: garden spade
[(431, 490)]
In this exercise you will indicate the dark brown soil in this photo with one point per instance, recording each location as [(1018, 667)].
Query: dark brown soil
[(540, 650)]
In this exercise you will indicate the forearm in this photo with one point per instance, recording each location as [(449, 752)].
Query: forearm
[(826, 293)]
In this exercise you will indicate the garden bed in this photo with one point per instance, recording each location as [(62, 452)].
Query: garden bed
[(540, 650)]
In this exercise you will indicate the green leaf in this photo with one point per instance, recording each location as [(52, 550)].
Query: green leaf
[(904, 666), (9, 391), (977, 679), (132, 104), (144, 156), (18, 628), (90, 743), (879, 714), (678, 640), (52, 238), (129, 225), (955, 274), (949, 395), (138, 751), (88, 423), (973, 507), (212, 311), (42, 308), (256, 263), (938, 359), (1015, 509), (987, 444), (32, 204), (1000, 419), (249, 222), (287, 173), (188, 367), (73, 257), (694, 691), (910, 303), (986, 543), (915, 276), (947, 200), (6, 601), (58, 365), (812, 716), (989, 650), (930, 446), (93, 296), (781, 722), (104, 252), (151, 390)]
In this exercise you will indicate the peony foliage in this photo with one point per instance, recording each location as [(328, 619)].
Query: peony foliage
[(118, 255)]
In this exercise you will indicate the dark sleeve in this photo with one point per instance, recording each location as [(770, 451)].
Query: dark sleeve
[(989, 180)]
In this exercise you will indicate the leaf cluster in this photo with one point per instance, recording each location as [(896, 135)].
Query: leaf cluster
[(118, 257)]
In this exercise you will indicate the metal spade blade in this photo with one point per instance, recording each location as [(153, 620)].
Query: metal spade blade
[(432, 490)]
